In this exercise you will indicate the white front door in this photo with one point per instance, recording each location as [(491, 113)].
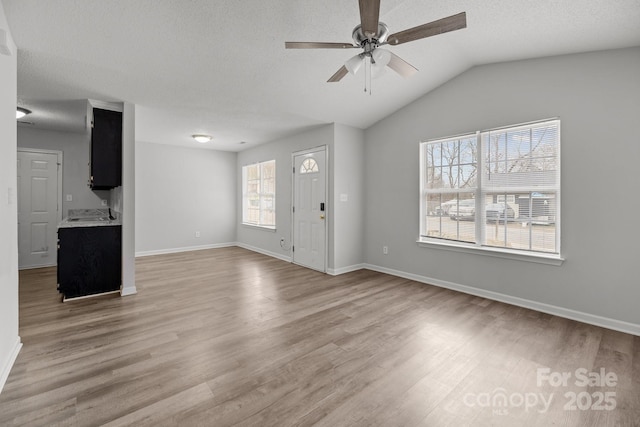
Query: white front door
[(38, 215), (310, 209)]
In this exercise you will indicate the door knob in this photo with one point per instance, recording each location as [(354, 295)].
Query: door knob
[(321, 216)]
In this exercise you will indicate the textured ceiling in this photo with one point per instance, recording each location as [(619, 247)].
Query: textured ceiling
[(220, 67)]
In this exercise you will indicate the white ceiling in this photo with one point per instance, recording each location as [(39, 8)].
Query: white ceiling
[(220, 67)]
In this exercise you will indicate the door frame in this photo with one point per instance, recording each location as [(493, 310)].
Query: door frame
[(59, 156), (327, 204)]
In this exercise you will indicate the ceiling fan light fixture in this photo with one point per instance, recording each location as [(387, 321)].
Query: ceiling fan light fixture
[(201, 138), (381, 57), (354, 64), (21, 112)]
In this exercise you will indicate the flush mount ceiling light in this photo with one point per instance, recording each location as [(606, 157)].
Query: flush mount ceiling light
[(202, 138), (21, 112)]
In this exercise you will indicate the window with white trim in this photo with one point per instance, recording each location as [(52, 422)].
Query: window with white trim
[(259, 194), (497, 188)]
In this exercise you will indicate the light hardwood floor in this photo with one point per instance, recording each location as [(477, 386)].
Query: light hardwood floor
[(230, 337)]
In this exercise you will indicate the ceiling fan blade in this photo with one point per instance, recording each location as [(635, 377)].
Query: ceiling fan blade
[(401, 66), (369, 16), (317, 45), (338, 75), (444, 25)]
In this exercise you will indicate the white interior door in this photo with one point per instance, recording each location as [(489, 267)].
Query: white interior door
[(309, 209), (38, 214)]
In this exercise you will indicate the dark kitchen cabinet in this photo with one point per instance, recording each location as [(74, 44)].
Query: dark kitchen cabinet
[(89, 260), (106, 150)]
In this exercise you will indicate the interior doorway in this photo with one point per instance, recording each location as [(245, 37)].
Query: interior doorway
[(39, 206)]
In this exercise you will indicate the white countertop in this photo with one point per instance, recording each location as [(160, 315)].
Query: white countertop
[(66, 223), (89, 218)]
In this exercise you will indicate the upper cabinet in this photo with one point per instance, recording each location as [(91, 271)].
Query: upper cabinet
[(106, 149)]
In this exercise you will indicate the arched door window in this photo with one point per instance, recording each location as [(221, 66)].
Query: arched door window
[(309, 166)]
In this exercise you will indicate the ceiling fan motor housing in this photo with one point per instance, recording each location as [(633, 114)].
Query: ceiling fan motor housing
[(362, 40)]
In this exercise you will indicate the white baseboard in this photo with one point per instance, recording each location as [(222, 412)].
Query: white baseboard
[(592, 319), (343, 270), (605, 322), (64, 299), (4, 373), (131, 290), (330, 271), (264, 252), (184, 249)]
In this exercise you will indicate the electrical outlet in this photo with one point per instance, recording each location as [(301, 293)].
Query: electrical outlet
[(197, 234), (69, 198), (385, 250)]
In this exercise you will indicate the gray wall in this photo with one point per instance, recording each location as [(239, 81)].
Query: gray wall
[(268, 241), (348, 216), (75, 149), (9, 339), (179, 191), (597, 98), (346, 176)]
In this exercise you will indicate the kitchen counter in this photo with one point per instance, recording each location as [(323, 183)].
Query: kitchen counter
[(89, 256), (89, 218)]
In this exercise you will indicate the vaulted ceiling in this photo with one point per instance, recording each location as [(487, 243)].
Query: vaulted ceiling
[(220, 67)]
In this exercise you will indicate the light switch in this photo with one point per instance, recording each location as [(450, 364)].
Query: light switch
[(69, 198), (344, 197), (103, 202)]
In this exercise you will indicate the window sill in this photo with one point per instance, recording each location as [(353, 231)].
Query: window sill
[(259, 227), (536, 257)]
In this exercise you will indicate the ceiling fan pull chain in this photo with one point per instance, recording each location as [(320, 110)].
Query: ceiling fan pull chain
[(370, 65), (365, 81), (365, 74)]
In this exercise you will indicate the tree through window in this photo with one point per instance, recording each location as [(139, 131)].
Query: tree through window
[(495, 188)]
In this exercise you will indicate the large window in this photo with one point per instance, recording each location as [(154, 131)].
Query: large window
[(493, 189), (259, 194)]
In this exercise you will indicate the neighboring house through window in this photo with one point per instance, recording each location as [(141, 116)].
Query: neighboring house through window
[(495, 189)]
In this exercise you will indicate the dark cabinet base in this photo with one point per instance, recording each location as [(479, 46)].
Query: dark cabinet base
[(89, 260)]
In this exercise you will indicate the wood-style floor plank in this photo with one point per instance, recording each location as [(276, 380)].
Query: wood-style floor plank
[(228, 337)]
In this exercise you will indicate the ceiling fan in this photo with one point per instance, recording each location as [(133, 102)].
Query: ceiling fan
[(371, 34)]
